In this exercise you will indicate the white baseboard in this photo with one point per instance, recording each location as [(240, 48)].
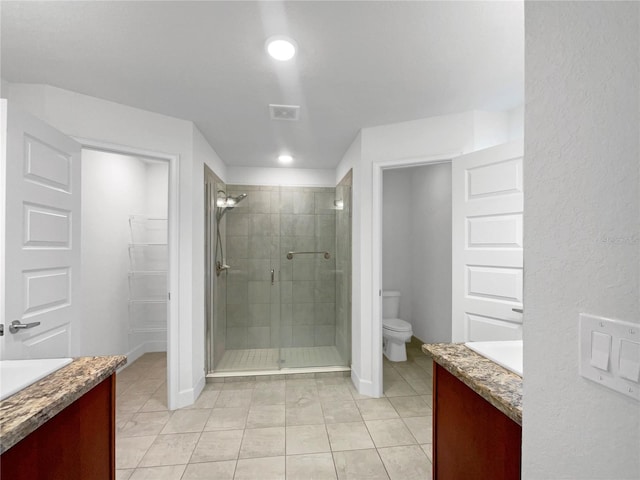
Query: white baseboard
[(190, 395), (364, 387), (146, 347)]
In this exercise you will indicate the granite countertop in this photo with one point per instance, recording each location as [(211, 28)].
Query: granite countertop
[(31, 407), (497, 385)]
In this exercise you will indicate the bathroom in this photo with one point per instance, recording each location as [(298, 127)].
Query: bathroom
[(416, 247), (579, 208)]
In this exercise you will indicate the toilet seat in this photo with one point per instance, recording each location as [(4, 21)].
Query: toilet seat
[(396, 325)]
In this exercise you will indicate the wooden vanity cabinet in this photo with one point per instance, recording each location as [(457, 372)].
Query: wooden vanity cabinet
[(471, 438), (76, 444)]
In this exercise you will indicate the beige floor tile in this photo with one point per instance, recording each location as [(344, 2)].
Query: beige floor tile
[(428, 399), (413, 406), (239, 385), (269, 396), (349, 436), (359, 464), (157, 403), (317, 466), (266, 416), (301, 395), (207, 399), (397, 388), (170, 472), (186, 421), (121, 421), (148, 387), (421, 428), (127, 403), (145, 423), (170, 450), (307, 439), (389, 433), (309, 414), (263, 442), (332, 393), (406, 463), (234, 399), (124, 474), (227, 419), (428, 451), (130, 450), (217, 446), (210, 471), (271, 468), (376, 409), (341, 412)]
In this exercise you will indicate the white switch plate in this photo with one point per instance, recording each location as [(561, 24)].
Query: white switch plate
[(618, 330)]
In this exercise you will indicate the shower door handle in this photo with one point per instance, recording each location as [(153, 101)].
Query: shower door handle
[(273, 276)]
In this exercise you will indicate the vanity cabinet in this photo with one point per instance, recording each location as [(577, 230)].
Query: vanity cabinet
[(471, 437), (62, 427)]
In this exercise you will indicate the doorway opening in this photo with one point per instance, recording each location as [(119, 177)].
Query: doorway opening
[(127, 248)]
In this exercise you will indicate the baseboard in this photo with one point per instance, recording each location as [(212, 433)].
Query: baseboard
[(364, 387), (146, 347), (190, 395)]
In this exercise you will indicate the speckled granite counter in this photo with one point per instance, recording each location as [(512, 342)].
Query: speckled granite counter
[(22, 413), (498, 386)]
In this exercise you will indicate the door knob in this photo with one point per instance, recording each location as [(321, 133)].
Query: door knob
[(17, 325)]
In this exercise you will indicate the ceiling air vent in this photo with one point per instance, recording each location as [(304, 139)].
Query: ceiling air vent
[(285, 112)]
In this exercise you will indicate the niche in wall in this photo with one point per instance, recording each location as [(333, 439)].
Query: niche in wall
[(115, 302)]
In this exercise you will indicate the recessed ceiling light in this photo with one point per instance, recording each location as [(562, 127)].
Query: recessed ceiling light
[(285, 159), (281, 48)]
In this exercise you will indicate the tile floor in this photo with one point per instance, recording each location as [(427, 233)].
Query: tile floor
[(307, 428)]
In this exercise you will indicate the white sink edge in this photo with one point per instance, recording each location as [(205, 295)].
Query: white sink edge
[(506, 353), (16, 375)]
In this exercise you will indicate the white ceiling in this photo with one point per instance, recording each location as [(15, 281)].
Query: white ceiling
[(359, 64)]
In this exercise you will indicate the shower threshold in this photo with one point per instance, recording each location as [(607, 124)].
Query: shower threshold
[(274, 361)]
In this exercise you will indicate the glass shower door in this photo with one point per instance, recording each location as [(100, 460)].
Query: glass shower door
[(308, 278)]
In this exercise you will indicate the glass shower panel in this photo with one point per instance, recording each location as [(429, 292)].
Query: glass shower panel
[(308, 278)]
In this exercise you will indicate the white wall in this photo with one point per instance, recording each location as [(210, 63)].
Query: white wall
[(395, 143), (581, 231), (430, 252), (397, 219), (416, 254), (88, 117), (308, 177), (114, 187)]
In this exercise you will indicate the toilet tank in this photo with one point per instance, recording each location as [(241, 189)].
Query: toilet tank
[(390, 304)]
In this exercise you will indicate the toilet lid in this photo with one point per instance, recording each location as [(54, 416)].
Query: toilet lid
[(396, 325)]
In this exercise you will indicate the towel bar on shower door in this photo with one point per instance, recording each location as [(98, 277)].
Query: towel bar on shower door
[(290, 255)]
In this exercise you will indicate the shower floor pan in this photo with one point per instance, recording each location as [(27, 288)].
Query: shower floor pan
[(265, 361)]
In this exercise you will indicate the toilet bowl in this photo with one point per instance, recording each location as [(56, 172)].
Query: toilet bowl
[(395, 331)]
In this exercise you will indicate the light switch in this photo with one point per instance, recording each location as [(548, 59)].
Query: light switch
[(600, 350), (629, 367)]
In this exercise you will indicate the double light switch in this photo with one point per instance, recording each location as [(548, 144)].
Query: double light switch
[(610, 353)]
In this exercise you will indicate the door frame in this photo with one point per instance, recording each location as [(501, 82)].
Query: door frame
[(376, 246), (173, 227)]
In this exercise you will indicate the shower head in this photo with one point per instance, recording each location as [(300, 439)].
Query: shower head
[(227, 202), (233, 201)]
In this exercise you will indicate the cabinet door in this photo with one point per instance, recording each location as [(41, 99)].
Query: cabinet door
[(42, 237), (471, 438)]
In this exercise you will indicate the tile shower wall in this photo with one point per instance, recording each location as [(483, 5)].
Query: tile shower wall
[(299, 308)]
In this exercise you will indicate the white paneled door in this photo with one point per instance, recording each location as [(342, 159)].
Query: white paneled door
[(42, 238), (487, 244)]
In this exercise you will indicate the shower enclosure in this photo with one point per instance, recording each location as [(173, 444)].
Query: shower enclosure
[(278, 277)]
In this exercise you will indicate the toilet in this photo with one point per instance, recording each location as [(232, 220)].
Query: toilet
[(395, 331)]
